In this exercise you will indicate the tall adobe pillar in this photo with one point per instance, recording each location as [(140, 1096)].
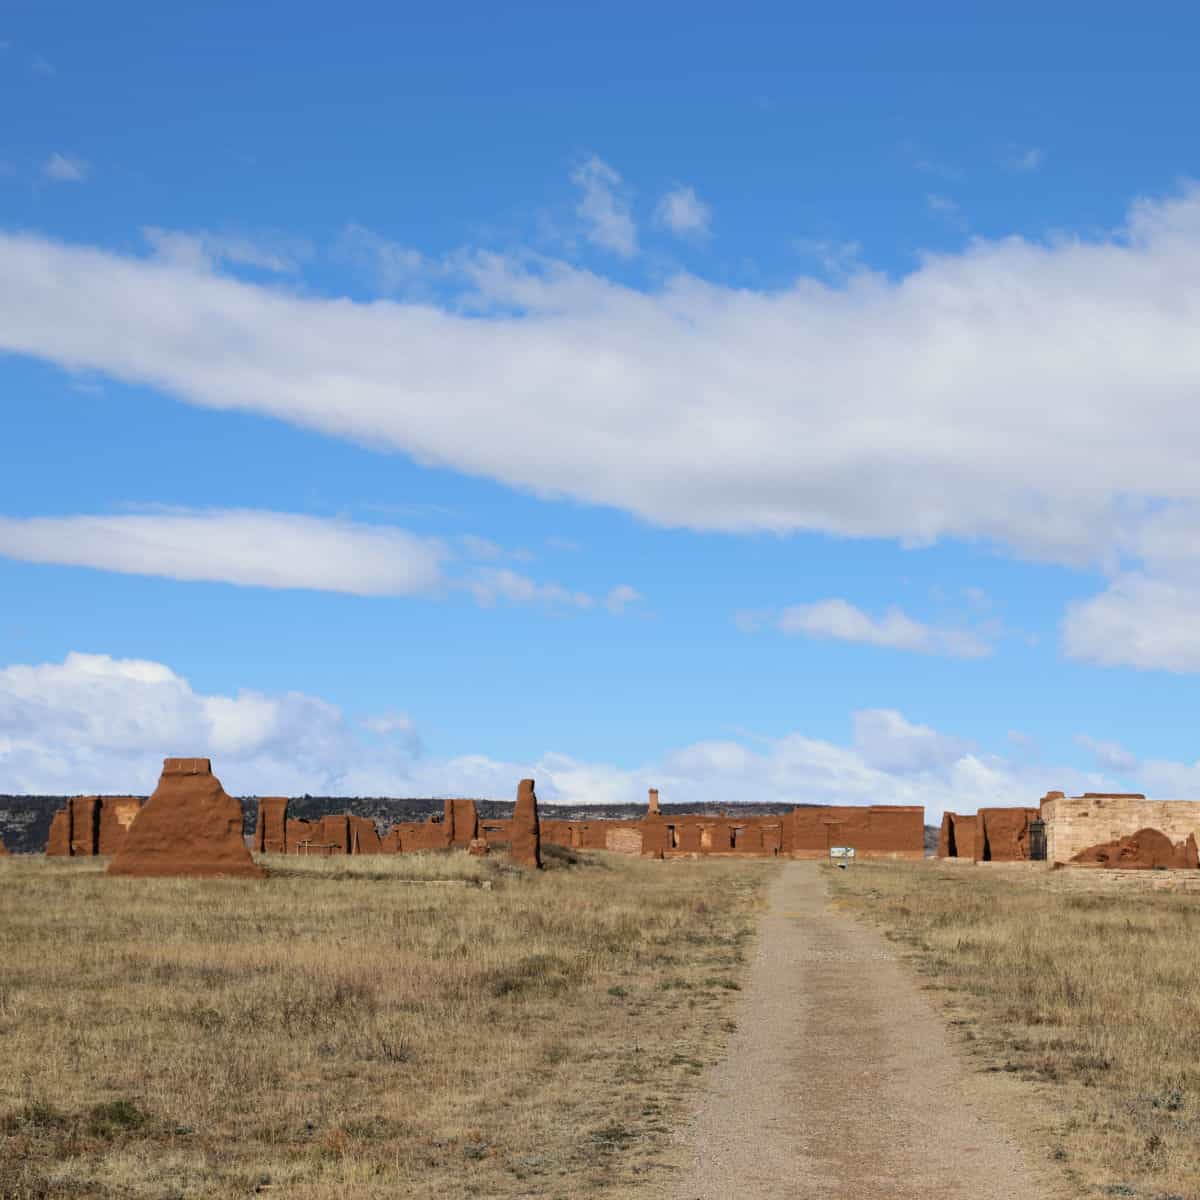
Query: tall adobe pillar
[(526, 835), (652, 811), (188, 827)]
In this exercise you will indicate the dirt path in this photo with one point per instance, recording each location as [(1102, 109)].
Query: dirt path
[(841, 1080)]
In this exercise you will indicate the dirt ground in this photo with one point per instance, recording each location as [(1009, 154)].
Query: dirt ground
[(842, 1081)]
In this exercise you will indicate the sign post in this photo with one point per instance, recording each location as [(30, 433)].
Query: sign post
[(841, 856)]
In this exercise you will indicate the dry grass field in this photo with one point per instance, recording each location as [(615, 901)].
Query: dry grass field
[(1093, 998), (355, 1027)]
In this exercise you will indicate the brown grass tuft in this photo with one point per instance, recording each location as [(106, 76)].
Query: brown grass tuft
[(424, 1025), (1092, 998)]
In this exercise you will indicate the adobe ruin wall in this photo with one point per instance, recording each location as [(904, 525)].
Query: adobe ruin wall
[(87, 826)]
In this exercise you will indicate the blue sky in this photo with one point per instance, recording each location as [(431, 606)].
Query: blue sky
[(760, 409)]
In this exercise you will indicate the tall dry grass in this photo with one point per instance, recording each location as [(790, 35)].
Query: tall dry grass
[(1092, 998), (349, 1028)]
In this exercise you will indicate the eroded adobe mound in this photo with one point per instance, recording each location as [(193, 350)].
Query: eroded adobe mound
[(1142, 851), (188, 827)]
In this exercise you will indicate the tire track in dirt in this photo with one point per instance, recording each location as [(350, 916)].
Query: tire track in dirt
[(841, 1080)]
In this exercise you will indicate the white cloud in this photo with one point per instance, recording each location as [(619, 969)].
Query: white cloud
[(1033, 395), (620, 598), (97, 724), (94, 723), (888, 741), (684, 213), (1111, 756), (604, 207), (202, 250), (65, 168), (896, 630), (256, 548), (245, 547), (1146, 615), (1137, 622), (396, 727)]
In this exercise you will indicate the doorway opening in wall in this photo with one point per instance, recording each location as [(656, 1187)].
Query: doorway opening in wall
[(1037, 841)]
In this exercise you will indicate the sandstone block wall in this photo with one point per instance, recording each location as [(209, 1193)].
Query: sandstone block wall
[(1074, 823)]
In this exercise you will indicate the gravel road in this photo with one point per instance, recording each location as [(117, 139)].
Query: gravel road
[(842, 1082)]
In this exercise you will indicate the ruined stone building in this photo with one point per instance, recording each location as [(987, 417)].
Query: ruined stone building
[(1097, 828), (91, 825)]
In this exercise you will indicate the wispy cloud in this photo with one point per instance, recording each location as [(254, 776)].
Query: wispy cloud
[(684, 213), (250, 548), (391, 266), (920, 159), (396, 727), (620, 598), (204, 249), (834, 258), (839, 620), (604, 207), (65, 168), (1112, 756), (1024, 160), (698, 405), (260, 548), (489, 585), (486, 550), (947, 208)]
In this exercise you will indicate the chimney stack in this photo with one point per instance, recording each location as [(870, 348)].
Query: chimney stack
[(653, 810)]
